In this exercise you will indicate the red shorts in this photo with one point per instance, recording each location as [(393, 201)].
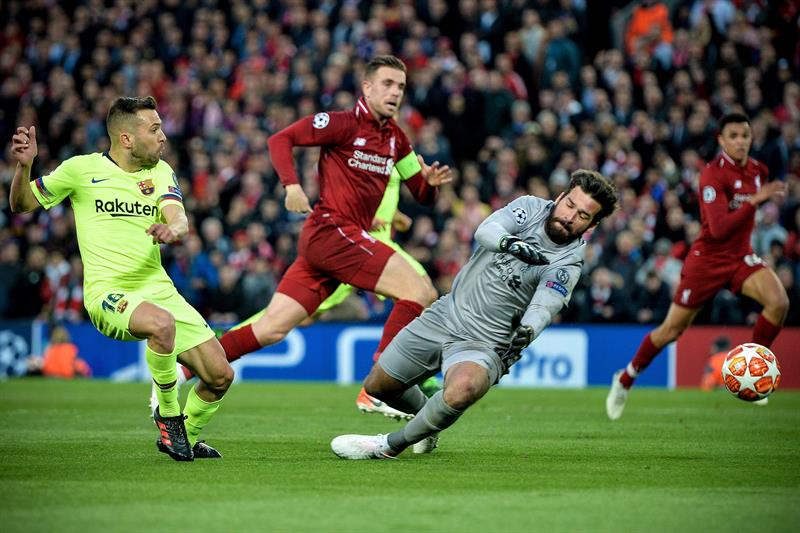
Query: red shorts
[(704, 275), (330, 254)]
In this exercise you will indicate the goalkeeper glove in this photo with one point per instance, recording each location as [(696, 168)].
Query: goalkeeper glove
[(525, 252), (521, 338)]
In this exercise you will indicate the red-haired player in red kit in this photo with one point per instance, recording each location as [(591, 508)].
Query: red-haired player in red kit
[(732, 186), (359, 149)]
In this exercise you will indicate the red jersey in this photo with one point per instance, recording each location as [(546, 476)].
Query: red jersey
[(357, 156), (726, 214)]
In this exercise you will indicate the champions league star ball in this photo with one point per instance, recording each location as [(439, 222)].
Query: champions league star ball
[(751, 372)]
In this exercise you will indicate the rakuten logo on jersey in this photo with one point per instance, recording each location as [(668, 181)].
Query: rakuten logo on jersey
[(371, 163), (118, 208)]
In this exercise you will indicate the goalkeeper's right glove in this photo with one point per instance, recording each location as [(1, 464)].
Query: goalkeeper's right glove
[(525, 252)]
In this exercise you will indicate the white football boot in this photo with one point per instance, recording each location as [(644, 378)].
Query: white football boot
[(362, 447), (615, 401), (762, 402), (426, 445)]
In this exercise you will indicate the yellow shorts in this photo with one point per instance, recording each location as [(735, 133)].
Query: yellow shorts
[(111, 315)]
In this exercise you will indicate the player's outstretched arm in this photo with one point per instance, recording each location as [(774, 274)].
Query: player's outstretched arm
[(494, 232), (24, 150), (176, 227)]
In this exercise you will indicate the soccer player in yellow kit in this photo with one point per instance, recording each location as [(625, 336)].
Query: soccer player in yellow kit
[(126, 203)]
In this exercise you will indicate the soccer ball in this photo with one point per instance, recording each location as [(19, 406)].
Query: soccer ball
[(751, 372)]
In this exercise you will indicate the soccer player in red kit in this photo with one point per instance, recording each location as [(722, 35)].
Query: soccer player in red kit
[(732, 186), (359, 148)]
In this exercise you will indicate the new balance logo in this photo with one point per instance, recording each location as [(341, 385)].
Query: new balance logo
[(360, 141), (95, 180)]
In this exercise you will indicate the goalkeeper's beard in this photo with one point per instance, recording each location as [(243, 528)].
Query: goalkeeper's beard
[(559, 231)]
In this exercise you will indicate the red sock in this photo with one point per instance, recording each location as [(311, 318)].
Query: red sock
[(644, 356), (403, 313), (239, 342), (764, 332)]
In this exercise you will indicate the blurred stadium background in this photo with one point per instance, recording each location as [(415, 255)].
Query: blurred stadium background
[(513, 94)]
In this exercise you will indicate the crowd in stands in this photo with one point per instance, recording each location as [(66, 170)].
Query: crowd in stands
[(513, 94)]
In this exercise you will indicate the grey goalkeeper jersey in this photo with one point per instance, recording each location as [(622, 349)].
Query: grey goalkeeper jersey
[(495, 292)]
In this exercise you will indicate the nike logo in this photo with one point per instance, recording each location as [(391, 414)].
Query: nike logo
[(95, 180)]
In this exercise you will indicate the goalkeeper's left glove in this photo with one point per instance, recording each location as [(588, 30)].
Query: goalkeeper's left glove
[(520, 339)]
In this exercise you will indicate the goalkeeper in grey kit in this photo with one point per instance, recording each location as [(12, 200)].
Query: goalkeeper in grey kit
[(520, 277)]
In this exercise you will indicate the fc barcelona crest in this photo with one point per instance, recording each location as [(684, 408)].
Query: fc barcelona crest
[(147, 187)]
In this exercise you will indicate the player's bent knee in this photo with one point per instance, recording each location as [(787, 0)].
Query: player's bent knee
[(162, 328), (222, 380), (463, 393), (782, 304), (163, 323), (458, 398)]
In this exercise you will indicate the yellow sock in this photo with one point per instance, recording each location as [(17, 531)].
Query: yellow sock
[(198, 412), (165, 376)]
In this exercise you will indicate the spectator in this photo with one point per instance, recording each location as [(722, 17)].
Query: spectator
[(651, 299), (789, 282), (650, 32), (227, 299), (61, 357), (663, 264), (712, 374), (10, 276), (768, 230), (560, 54), (627, 259), (192, 272), (606, 303)]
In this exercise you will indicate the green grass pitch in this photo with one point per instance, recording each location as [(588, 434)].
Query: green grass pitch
[(80, 456)]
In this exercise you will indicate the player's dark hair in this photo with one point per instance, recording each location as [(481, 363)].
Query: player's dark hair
[(598, 187), (733, 118), (124, 107), (383, 61)]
